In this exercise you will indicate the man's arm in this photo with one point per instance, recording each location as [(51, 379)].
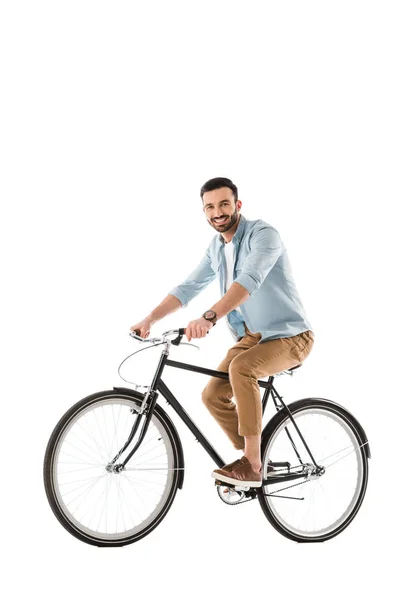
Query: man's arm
[(196, 281), (266, 247), (169, 305), (233, 298), (179, 296)]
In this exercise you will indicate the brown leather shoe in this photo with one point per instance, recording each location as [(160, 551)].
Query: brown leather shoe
[(241, 473), (229, 466)]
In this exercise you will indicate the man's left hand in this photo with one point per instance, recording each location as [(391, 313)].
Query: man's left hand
[(198, 328)]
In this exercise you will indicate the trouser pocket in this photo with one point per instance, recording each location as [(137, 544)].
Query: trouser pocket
[(302, 345)]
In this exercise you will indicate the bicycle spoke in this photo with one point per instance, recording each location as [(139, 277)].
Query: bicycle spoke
[(76, 470), (115, 427), (102, 436), (100, 448), (100, 501), (82, 451), (142, 483), (341, 458), (329, 496), (155, 469), (85, 484)]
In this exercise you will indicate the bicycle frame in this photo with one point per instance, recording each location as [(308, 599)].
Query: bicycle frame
[(159, 385)]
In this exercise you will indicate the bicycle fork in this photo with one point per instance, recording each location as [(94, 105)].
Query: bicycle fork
[(149, 402), (147, 406)]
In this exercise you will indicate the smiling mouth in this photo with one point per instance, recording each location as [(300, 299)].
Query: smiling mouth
[(219, 221)]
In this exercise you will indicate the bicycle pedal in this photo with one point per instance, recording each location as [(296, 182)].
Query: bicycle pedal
[(218, 482), (237, 488)]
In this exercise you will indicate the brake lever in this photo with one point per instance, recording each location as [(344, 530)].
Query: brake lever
[(178, 339), (189, 344)]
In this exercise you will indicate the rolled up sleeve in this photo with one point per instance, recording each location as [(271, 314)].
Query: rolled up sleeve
[(196, 281), (265, 249)]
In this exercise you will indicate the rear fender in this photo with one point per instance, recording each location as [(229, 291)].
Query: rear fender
[(270, 426)]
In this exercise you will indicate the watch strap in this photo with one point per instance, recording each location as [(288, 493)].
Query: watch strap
[(212, 319)]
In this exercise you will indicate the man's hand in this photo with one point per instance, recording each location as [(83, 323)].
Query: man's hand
[(143, 327), (198, 328)]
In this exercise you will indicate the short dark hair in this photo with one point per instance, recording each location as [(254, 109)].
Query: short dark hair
[(219, 182)]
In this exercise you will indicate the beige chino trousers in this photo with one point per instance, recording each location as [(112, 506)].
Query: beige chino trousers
[(246, 362)]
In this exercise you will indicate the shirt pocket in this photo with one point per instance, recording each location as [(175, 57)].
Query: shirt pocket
[(239, 265)]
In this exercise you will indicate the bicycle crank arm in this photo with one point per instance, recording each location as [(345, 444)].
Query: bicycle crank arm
[(237, 488)]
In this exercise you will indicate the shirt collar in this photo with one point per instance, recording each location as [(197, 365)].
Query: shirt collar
[(238, 233)]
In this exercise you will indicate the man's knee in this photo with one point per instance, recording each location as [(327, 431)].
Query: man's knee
[(236, 367), (239, 367), (206, 396), (213, 391)]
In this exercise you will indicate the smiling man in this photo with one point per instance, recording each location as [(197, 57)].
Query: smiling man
[(263, 311)]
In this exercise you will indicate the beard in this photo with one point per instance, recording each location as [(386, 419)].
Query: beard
[(226, 225)]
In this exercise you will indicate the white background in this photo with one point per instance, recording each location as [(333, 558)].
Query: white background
[(113, 116)]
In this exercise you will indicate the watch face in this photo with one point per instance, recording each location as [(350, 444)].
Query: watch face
[(209, 314)]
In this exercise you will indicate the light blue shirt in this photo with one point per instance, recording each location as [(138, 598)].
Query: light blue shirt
[(261, 265)]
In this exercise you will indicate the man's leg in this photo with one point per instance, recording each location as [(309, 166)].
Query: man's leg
[(261, 360), (217, 395), (252, 450)]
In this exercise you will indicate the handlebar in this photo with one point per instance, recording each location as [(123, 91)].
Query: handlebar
[(179, 332), (172, 331)]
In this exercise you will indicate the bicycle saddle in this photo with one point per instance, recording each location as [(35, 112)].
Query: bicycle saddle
[(288, 371), (296, 367)]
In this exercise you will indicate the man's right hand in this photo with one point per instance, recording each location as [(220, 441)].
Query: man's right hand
[(143, 327)]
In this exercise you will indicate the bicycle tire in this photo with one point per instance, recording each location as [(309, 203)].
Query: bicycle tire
[(159, 417), (271, 430)]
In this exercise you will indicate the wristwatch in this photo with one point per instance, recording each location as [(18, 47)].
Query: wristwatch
[(210, 315)]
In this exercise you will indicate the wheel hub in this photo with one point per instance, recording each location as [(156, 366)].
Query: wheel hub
[(314, 472), (110, 468)]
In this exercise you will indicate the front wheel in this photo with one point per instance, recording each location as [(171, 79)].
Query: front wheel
[(323, 500), (96, 504)]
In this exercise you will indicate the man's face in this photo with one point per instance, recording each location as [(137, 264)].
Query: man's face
[(220, 209)]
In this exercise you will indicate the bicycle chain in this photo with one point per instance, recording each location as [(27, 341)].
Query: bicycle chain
[(288, 487), (271, 495), (236, 503)]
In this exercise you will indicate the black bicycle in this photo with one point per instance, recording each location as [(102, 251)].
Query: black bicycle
[(114, 462)]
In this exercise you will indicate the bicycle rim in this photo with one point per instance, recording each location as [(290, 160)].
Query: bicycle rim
[(324, 505), (111, 507)]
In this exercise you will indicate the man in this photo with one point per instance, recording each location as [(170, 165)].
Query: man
[(264, 314)]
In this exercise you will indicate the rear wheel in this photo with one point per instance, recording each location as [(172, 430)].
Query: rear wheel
[(321, 503), (92, 501)]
